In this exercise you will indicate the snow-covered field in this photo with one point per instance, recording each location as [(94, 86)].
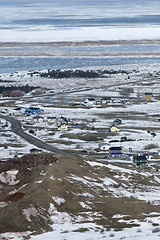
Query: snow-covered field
[(138, 115), (68, 231)]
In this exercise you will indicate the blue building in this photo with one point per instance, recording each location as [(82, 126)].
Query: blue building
[(32, 111), (115, 152)]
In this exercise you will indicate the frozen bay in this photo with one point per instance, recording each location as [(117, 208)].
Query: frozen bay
[(78, 21)]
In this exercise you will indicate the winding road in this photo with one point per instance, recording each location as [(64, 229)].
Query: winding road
[(17, 129)]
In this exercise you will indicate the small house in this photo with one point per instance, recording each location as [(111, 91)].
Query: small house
[(114, 129), (63, 127), (38, 91), (105, 100), (148, 96), (117, 101), (104, 146), (19, 155), (61, 121), (117, 122), (89, 101), (32, 111), (35, 151), (51, 120), (4, 110), (15, 111), (115, 152), (140, 161), (38, 119), (16, 93)]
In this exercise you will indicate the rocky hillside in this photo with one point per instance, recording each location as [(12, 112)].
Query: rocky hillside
[(38, 191)]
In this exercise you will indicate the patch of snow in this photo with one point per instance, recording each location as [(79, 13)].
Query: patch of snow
[(39, 181), (58, 200), (52, 177), (85, 206), (108, 181), (93, 164), (9, 177), (58, 217), (28, 212), (120, 216)]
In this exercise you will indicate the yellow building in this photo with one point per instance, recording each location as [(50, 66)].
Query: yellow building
[(114, 129), (37, 91), (148, 96), (63, 127)]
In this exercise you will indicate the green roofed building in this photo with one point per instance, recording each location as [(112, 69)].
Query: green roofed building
[(140, 161)]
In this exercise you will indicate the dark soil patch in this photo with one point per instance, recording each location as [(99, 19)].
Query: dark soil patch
[(29, 160), (15, 197), (85, 137)]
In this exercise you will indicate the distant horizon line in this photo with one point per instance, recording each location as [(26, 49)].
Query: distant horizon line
[(80, 43)]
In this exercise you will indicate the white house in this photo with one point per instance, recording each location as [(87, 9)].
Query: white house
[(15, 111), (51, 120), (38, 119), (90, 101)]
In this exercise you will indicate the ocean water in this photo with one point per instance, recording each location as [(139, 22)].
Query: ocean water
[(89, 48), (12, 64), (74, 20)]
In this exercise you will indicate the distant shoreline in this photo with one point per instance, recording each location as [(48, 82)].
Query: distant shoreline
[(57, 49), (78, 43)]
